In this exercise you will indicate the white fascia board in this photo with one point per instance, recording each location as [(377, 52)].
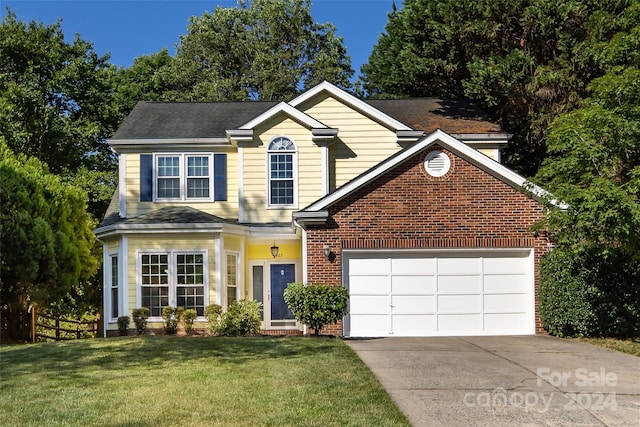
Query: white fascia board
[(145, 142), (352, 101), (283, 107), (271, 232), (118, 229), (446, 141)]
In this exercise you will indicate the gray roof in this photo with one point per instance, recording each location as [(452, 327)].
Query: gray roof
[(166, 215), (187, 119), (212, 119), (454, 116)]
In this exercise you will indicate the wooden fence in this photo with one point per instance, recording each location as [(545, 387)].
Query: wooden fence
[(59, 329)]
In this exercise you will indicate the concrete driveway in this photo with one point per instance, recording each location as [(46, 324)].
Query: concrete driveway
[(505, 381)]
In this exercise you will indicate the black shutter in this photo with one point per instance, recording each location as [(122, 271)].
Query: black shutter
[(220, 177), (146, 177)]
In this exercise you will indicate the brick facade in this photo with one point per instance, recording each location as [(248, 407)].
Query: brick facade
[(406, 208)]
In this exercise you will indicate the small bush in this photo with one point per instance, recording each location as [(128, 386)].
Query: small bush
[(316, 305), (188, 317), (140, 316), (171, 318), (213, 313), (123, 326), (242, 318)]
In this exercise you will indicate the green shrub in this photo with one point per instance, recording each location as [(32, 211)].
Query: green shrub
[(589, 293), (213, 313), (241, 318), (188, 317), (316, 305), (171, 318), (140, 316), (123, 326)]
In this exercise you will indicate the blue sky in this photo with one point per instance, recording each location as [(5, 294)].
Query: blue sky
[(129, 29)]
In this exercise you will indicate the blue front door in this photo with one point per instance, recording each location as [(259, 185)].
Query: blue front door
[(281, 275)]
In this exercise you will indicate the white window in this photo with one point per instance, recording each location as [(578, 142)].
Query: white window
[(232, 278), (282, 171), (114, 287), (183, 176), (175, 279)]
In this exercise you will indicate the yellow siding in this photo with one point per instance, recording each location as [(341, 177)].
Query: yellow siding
[(112, 246), (490, 152), (362, 142), (226, 209), (167, 242), (260, 250), (309, 177)]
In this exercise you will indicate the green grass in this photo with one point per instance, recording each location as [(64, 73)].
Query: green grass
[(631, 345), (191, 381)]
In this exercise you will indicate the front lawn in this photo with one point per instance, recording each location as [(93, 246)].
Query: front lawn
[(631, 345), (191, 381)]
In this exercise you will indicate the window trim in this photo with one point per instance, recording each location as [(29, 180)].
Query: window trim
[(172, 279), (183, 160), (294, 160)]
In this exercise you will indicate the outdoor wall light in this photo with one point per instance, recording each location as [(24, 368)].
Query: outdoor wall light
[(274, 250), (326, 250)]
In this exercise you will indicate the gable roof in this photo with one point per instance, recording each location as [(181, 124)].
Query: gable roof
[(317, 210), (212, 120)]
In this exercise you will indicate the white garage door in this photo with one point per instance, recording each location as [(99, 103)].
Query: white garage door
[(446, 293)]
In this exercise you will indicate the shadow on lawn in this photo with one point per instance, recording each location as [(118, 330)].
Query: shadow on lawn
[(116, 354)]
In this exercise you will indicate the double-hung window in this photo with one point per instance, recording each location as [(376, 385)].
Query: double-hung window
[(114, 287), (281, 159), (176, 279), (184, 176)]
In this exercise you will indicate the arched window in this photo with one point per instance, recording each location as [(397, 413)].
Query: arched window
[(282, 171)]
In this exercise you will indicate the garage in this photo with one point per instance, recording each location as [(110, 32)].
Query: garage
[(454, 292)]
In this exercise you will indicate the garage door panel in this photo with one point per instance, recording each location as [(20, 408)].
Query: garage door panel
[(459, 304), (413, 266), (505, 265), (369, 304), (505, 283), (374, 285), (518, 303), (460, 324), (515, 323), (414, 325), (413, 285), (365, 267), (459, 284), (369, 325), (459, 265), (413, 304)]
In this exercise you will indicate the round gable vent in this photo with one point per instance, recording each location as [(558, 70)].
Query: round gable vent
[(437, 163)]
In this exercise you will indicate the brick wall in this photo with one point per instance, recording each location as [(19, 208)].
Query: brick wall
[(408, 209)]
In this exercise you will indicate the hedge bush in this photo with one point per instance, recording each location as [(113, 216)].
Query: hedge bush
[(589, 293), (316, 305)]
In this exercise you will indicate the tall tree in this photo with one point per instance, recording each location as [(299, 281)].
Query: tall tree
[(263, 49), (525, 61), (57, 104), (46, 237)]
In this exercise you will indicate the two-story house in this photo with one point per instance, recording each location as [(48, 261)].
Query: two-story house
[(404, 202)]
